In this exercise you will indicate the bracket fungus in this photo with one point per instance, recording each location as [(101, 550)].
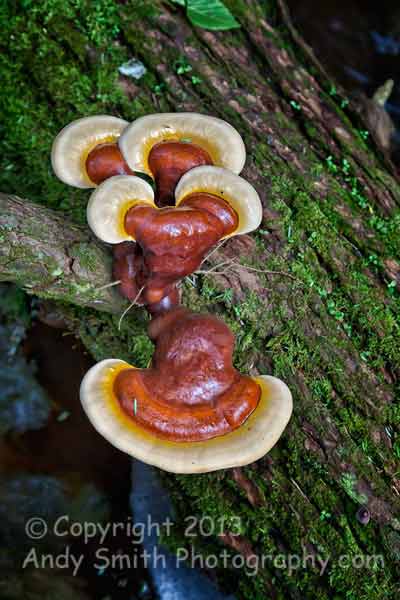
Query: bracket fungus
[(167, 145), (211, 204), (86, 152), (130, 271), (191, 411)]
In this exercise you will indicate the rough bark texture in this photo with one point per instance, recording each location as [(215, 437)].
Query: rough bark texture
[(330, 329), (51, 257)]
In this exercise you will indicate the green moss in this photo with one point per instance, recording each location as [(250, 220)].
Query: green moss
[(340, 308), (83, 252), (105, 336), (38, 65), (349, 482)]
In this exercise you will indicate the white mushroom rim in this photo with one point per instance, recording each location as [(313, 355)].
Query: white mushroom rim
[(222, 142), (235, 190), (109, 203), (112, 199), (258, 434), (74, 143)]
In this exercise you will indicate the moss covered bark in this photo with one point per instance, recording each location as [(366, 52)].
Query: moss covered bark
[(52, 257), (331, 222)]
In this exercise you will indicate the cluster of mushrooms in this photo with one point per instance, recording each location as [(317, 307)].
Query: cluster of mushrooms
[(191, 411)]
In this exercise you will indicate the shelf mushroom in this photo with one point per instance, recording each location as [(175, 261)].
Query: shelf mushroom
[(191, 411), (129, 270), (86, 152), (212, 203), (167, 145)]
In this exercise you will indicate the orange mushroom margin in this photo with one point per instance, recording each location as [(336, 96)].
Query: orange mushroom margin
[(252, 440)]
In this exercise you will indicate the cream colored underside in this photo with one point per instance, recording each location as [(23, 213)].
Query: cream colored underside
[(223, 183), (217, 137), (248, 443), (73, 144), (110, 202)]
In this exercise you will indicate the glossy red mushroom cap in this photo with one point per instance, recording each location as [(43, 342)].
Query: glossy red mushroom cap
[(191, 392)]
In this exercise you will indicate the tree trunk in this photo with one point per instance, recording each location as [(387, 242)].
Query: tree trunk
[(315, 300)]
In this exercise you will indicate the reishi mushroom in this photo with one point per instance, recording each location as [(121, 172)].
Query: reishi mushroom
[(86, 152), (167, 145), (191, 411), (225, 185), (212, 204), (128, 270)]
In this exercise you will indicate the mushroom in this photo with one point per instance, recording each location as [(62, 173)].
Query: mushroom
[(191, 411), (225, 185), (129, 269), (110, 203), (212, 204), (86, 152), (167, 145)]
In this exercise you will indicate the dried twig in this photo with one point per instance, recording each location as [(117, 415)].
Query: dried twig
[(213, 269), (217, 247), (233, 265), (129, 307), (108, 285), (284, 273)]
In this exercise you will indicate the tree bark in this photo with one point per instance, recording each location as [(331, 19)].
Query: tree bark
[(314, 302), (51, 257)]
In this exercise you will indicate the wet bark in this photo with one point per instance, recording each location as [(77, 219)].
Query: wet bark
[(331, 202)]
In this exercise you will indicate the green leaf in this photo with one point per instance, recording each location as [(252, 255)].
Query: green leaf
[(211, 14), (180, 2)]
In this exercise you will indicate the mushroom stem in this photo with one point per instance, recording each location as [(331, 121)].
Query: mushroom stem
[(128, 269), (166, 304), (170, 244), (168, 161)]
